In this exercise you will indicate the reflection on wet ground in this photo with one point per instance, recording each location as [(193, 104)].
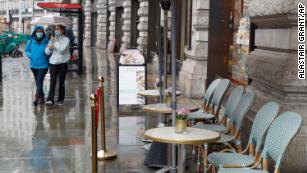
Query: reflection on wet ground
[(57, 139)]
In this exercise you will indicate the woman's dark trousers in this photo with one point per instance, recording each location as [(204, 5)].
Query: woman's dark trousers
[(58, 70)]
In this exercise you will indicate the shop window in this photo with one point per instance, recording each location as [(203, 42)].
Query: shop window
[(240, 48)]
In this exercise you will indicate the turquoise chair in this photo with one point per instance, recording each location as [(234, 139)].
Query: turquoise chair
[(231, 104), (233, 131), (214, 105), (278, 138), (207, 100), (264, 117)]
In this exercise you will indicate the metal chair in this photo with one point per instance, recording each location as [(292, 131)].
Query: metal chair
[(264, 117), (279, 136)]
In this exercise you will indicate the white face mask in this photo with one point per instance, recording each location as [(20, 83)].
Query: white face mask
[(57, 33)]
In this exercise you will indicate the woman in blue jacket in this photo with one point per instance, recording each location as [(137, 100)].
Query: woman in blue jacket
[(35, 51)]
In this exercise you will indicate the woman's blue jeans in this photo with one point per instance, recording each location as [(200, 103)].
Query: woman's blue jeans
[(39, 75)]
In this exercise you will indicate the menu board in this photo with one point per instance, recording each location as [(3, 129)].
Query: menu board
[(131, 78)]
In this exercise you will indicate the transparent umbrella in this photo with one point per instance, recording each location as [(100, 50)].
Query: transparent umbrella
[(51, 20)]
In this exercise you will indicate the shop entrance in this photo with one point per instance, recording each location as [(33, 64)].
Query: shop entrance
[(228, 40)]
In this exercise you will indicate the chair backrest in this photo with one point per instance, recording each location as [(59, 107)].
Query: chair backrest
[(233, 100), (280, 134), (263, 119), (210, 90), (242, 108), (219, 92)]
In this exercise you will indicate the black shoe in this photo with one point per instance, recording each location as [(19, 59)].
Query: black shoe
[(35, 102), (60, 103)]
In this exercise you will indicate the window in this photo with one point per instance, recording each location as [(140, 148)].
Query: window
[(239, 49)]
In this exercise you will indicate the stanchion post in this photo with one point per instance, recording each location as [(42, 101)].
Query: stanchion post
[(103, 154), (94, 134), (102, 113)]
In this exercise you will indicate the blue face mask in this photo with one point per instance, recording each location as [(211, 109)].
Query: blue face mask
[(39, 35), (57, 33)]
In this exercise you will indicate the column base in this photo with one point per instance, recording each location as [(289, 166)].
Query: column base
[(192, 78)]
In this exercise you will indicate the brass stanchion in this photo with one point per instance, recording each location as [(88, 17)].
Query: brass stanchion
[(94, 134), (103, 154)]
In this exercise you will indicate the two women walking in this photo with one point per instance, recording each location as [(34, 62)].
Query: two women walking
[(53, 55)]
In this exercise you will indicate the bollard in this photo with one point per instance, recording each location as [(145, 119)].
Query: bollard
[(94, 134), (103, 154)]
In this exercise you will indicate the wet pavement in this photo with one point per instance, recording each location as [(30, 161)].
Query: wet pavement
[(57, 139)]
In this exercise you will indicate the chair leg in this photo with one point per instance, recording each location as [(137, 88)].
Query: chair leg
[(198, 159), (265, 164), (205, 157), (213, 169)]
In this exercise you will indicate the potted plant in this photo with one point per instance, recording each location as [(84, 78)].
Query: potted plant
[(181, 120)]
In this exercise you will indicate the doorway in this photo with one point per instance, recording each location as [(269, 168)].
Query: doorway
[(94, 28), (108, 28), (134, 23), (118, 27), (220, 37)]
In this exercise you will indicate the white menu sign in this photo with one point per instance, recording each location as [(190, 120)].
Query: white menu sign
[(131, 81)]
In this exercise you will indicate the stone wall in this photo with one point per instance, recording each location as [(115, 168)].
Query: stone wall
[(193, 73), (272, 67)]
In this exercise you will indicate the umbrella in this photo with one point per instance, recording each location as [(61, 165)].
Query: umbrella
[(51, 20)]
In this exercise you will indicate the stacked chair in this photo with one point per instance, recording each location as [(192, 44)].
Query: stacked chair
[(277, 132), (263, 120), (231, 135), (279, 136)]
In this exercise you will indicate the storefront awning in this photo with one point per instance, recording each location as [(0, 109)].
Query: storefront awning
[(60, 7)]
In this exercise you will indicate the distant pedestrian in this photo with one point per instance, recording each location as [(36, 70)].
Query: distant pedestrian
[(35, 51), (58, 48)]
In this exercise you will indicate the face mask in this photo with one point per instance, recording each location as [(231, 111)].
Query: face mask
[(39, 35), (57, 33)]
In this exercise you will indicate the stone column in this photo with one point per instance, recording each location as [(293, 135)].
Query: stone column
[(102, 24), (143, 26), (20, 7), (272, 68), (87, 24), (112, 25), (193, 73), (126, 25), (75, 23)]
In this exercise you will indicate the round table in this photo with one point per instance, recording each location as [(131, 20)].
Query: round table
[(192, 136), (165, 109), (154, 93)]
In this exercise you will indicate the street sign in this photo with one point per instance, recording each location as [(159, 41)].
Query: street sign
[(131, 77)]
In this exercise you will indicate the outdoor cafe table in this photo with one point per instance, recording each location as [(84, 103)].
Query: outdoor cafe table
[(165, 109), (192, 136), (154, 93)]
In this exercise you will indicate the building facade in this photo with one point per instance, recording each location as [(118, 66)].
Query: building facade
[(208, 47), (17, 14)]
